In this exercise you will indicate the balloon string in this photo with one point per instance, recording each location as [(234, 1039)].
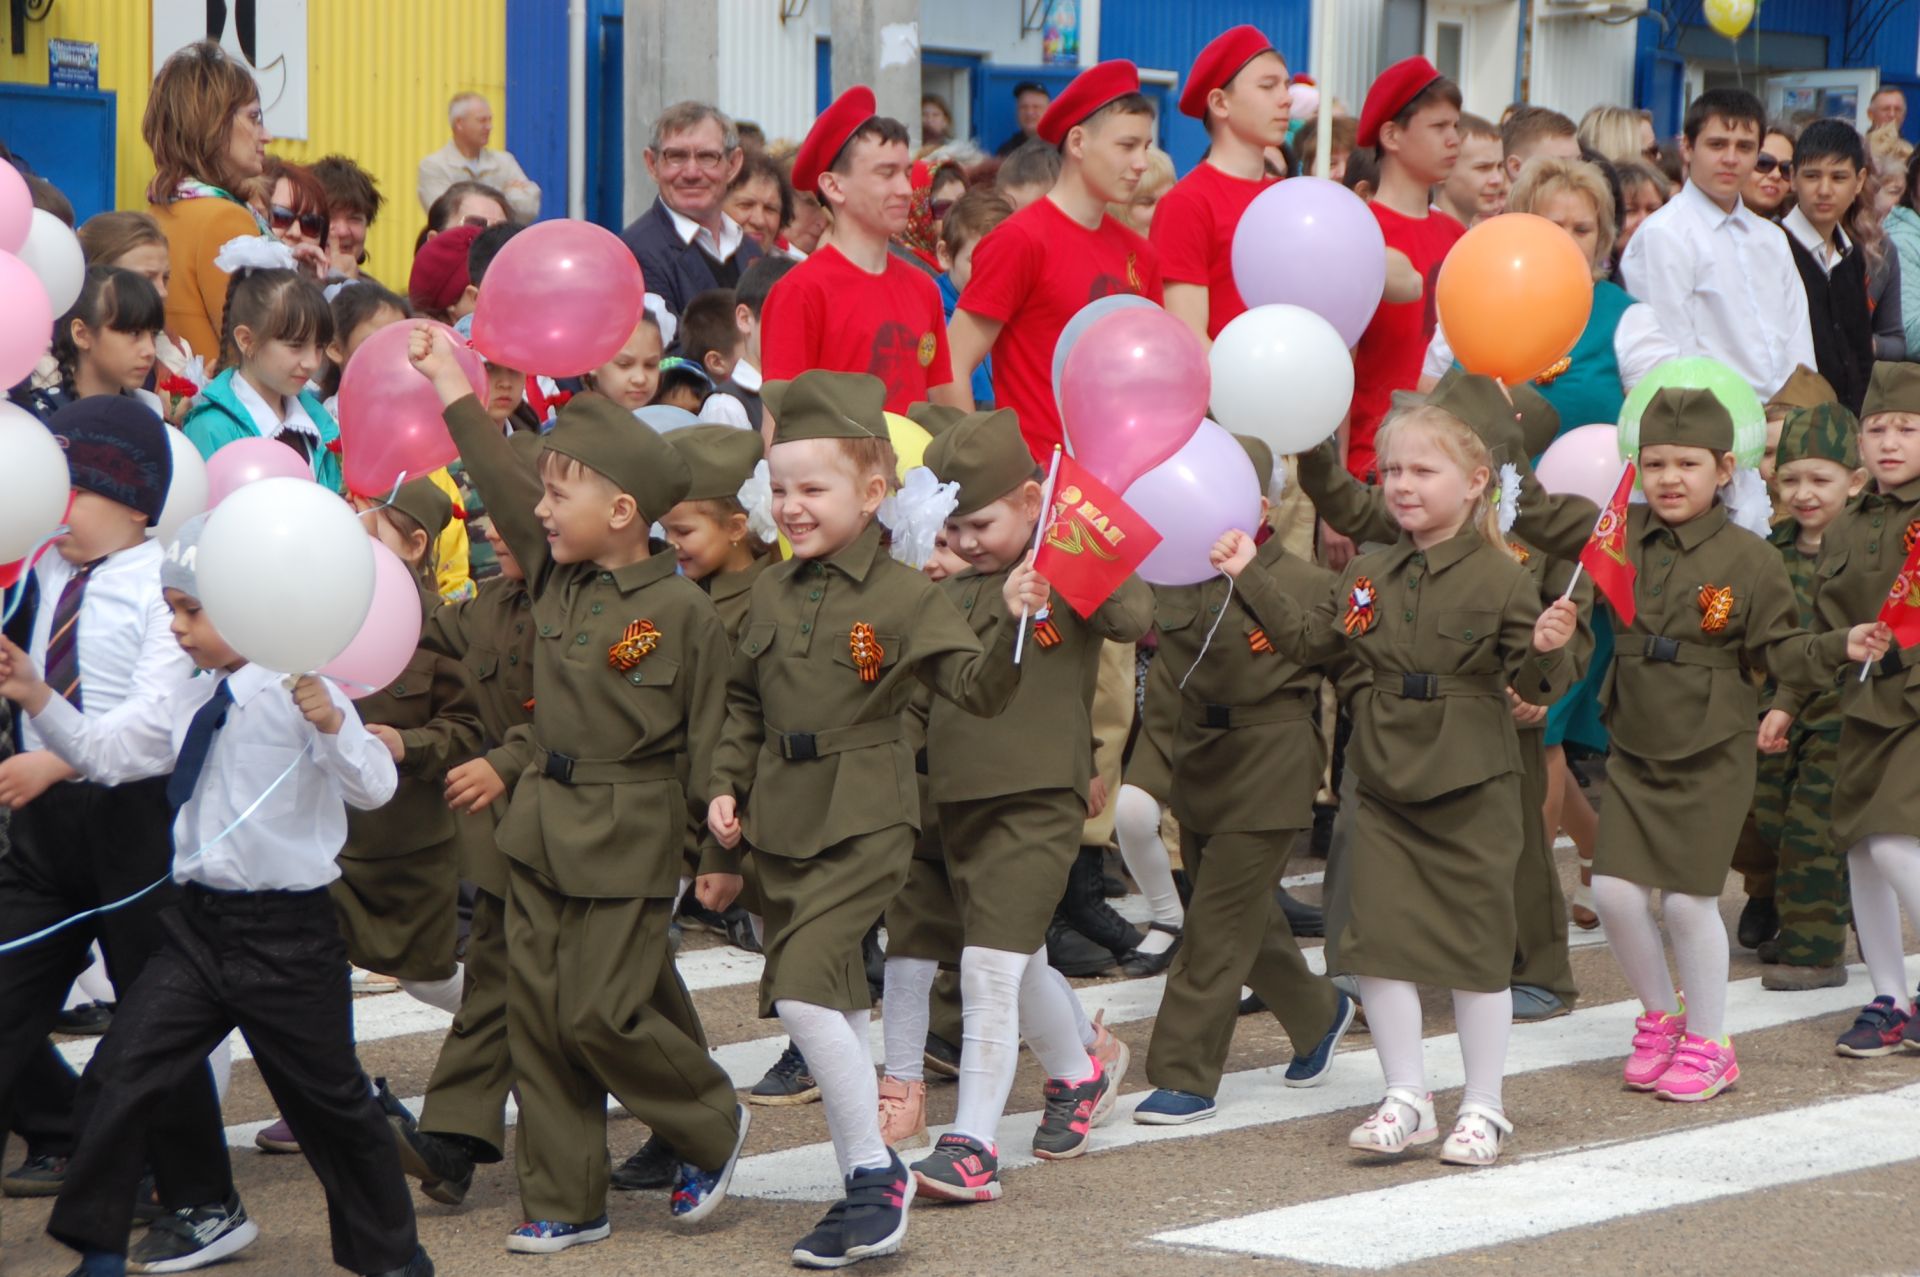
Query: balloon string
[(17, 592), (1211, 629), (23, 941)]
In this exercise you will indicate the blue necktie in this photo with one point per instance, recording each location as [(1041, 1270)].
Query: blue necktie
[(207, 720)]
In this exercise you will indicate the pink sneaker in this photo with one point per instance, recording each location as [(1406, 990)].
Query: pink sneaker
[(1656, 1036), (1701, 1069)]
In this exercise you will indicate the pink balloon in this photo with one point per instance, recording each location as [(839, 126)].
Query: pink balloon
[(26, 318), (1585, 461), (16, 211), (235, 465), (390, 416), (561, 299), (1204, 491), (389, 635), (1134, 389)]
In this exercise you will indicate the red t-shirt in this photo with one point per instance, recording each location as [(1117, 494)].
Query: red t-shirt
[(828, 313), (1193, 233), (1033, 273), (1390, 352)]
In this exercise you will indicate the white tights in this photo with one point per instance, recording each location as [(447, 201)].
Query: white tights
[(1482, 1019), (1699, 937), (907, 1016), (1885, 874), (444, 994), (1136, 823), (835, 1044), (1005, 997)]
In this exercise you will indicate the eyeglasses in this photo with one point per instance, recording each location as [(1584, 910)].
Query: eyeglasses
[(312, 225), (674, 158), (1764, 164)]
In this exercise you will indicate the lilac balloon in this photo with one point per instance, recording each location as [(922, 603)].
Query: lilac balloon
[(1584, 461), (1192, 499), (1083, 320), (1309, 241)]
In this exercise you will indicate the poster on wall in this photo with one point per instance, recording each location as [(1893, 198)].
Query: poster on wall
[(270, 36), (1060, 34)]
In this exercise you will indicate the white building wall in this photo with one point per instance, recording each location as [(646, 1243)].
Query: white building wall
[(1580, 63)]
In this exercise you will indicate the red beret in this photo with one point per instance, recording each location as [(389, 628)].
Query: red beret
[(1218, 63), (830, 134), (1398, 85), (440, 269), (1092, 89)]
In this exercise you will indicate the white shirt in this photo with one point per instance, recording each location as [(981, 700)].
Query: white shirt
[(1724, 285), (497, 169), (691, 232), (290, 841), (1828, 255), (271, 425), (1638, 344), (127, 649), (724, 409)]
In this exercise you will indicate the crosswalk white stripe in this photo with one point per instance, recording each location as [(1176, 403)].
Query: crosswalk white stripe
[(1458, 1212)]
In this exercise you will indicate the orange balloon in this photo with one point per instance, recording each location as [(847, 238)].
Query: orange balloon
[(1514, 296)]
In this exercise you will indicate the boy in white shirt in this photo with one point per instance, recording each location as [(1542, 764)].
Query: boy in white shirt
[(260, 781)]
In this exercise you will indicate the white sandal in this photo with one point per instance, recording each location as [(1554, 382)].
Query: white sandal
[(1477, 1136), (1404, 1118)]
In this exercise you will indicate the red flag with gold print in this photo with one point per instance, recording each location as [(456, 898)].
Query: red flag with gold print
[(1605, 555), (1093, 540)]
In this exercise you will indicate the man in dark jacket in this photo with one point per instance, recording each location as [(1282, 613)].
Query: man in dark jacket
[(686, 243)]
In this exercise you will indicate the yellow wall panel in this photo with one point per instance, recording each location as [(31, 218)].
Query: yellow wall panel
[(380, 73)]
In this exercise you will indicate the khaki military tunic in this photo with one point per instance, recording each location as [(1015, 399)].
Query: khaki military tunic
[(732, 591), (1012, 789), (1150, 765)]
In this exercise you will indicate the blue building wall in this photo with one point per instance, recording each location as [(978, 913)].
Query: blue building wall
[(537, 97)]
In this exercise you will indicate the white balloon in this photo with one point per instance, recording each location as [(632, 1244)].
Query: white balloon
[(53, 252), (1283, 375), (34, 483), (186, 491), (285, 573)]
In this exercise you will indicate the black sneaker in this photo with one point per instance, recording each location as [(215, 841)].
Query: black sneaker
[(444, 1169), (1066, 1124), (193, 1237), (740, 930), (39, 1176), (89, 1019), (652, 1166), (695, 916), (941, 1056), (787, 1082), (419, 1266), (875, 958), (871, 1221), (1252, 1003)]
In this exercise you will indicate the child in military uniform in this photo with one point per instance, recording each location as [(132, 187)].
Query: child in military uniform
[(627, 678), (1247, 758), (814, 770), (1012, 795), (1817, 470), (1439, 625), (1680, 712)]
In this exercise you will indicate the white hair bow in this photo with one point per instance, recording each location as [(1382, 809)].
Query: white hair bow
[(258, 252)]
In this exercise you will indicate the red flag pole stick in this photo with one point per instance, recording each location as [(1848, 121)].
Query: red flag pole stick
[(1039, 530)]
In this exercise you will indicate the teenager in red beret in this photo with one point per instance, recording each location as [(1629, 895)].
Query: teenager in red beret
[(1034, 271), (854, 305)]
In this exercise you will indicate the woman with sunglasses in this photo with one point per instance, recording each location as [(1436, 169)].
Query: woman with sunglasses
[(297, 213), (1769, 190)]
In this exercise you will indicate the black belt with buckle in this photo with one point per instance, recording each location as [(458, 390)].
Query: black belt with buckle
[(1420, 687), (559, 767), (1220, 716), (1661, 648), (798, 747)]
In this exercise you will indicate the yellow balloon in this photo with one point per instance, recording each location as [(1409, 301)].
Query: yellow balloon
[(910, 442), (1729, 17)]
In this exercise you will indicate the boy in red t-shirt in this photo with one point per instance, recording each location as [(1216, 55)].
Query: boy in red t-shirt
[(853, 305), (1034, 271), (1412, 115), (1238, 87)]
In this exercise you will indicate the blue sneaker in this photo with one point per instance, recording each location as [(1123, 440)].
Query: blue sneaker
[(1314, 1067), (550, 1236), (1173, 1108), (697, 1193)]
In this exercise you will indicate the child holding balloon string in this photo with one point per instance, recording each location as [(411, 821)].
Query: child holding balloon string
[(1440, 625)]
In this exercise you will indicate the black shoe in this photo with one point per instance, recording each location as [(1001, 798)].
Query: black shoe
[(876, 960), (1759, 922), (1320, 841), (1305, 919), (444, 1169), (651, 1167), (1072, 954), (788, 1082), (941, 1056), (740, 930), (146, 1201), (193, 1237), (89, 1019), (418, 1266), (39, 1176), (695, 916), (1111, 883), (1086, 909), (871, 1221), (1138, 964), (1252, 1004)]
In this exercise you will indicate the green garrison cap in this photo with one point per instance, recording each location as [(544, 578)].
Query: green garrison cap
[(1827, 432), (827, 405), (1895, 388), (983, 453), (1804, 389), (603, 436), (1688, 417), (935, 418), (1262, 457), (422, 501), (720, 457), (1539, 419)]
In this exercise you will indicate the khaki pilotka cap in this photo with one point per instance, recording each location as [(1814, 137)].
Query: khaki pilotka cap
[(1686, 417), (1895, 387), (422, 501), (1804, 389), (1824, 432), (1478, 402), (827, 405), (935, 418), (603, 436), (720, 459), (1539, 419), (1262, 457), (985, 454)]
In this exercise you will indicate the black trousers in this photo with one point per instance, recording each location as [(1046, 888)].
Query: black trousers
[(77, 846), (273, 965), (43, 1105)]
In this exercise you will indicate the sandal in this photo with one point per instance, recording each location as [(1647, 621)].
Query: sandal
[(1584, 916), (1477, 1136), (1403, 1119)]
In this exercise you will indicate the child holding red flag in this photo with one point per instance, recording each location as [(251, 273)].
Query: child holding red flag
[(1870, 558), (1012, 790), (1034, 271)]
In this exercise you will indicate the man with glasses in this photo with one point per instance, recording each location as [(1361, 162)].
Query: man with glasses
[(686, 243), (467, 158)]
